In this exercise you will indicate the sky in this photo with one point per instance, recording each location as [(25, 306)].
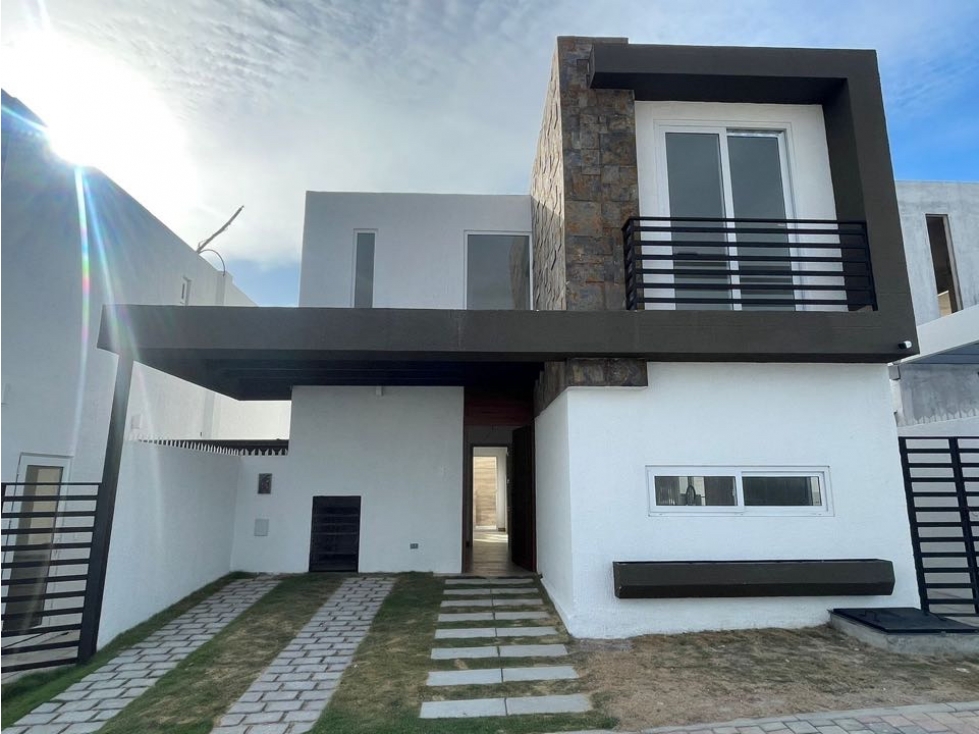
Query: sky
[(199, 106)]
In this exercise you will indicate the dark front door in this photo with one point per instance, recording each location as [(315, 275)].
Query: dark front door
[(522, 502), (334, 543)]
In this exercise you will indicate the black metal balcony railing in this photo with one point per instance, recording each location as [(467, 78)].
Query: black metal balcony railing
[(747, 264)]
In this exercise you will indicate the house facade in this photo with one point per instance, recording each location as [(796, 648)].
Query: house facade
[(676, 346)]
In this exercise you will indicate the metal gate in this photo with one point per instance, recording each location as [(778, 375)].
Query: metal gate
[(941, 479), (47, 543)]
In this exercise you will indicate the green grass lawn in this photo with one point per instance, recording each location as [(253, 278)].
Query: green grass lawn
[(21, 696), (382, 691), (191, 697)]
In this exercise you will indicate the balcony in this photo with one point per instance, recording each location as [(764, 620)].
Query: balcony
[(747, 264)]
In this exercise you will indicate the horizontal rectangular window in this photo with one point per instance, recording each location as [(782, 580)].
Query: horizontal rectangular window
[(737, 490)]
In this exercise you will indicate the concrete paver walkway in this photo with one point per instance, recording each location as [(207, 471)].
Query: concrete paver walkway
[(290, 695), (86, 705), (480, 593)]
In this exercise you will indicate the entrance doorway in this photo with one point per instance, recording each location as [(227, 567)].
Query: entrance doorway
[(499, 523), (491, 544)]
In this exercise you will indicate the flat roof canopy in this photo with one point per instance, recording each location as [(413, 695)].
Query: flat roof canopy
[(261, 353)]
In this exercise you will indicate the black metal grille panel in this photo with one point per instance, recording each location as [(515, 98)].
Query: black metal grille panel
[(748, 264), (47, 543), (941, 478)]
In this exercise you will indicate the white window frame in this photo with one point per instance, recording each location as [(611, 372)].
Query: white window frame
[(353, 267), (739, 509), (502, 232)]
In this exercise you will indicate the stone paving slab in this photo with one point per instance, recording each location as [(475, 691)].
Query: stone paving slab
[(574, 703), (466, 617), (467, 603), (940, 718), (504, 651), (469, 708), (493, 632), (496, 676), (525, 631), (464, 632), (529, 602), (494, 602), (513, 616), (477, 707), (533, 651), (291, 693), (543, 672), (447, 617), (489, 582), (487, 591), (487, 677), (465, 653), (86, 705)]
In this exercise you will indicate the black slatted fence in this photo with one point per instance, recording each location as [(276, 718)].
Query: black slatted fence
[(47, 544), (941, 479)]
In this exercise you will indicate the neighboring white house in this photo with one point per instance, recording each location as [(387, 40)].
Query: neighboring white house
[(937, 392), (74, 241), (60, 266)]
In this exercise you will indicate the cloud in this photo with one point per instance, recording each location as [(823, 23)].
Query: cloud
[(280, 97)]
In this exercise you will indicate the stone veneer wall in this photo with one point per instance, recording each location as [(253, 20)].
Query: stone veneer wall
[(584, 185), (547, 212), (601, 179)]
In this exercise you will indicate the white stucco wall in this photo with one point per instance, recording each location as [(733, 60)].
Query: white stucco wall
[(57, 387), (750, 415), (419, 251), (960, 203), (400, 450), (555, 532), (171, 533)]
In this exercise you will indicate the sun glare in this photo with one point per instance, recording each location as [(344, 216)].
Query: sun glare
[(100, 113)]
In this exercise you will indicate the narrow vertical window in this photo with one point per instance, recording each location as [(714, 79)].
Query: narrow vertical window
[(498, 271), (364, 271), (944, 264), (185, 291)]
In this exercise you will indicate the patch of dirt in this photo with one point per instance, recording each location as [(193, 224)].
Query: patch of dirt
[(661, 680)]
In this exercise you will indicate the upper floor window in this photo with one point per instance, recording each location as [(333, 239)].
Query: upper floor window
[(364, 270), (498, 271), (184, 291), (943, 263)]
